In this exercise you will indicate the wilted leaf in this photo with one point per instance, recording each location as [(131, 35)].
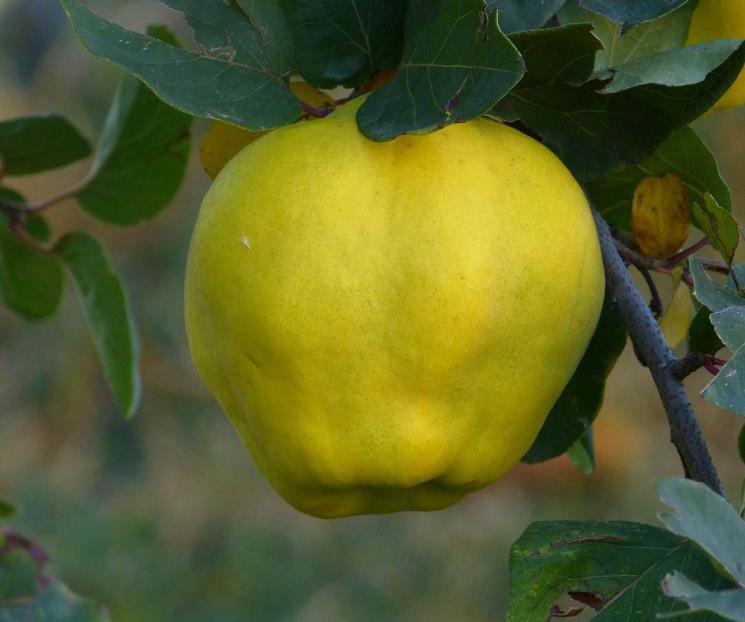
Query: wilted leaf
[(40, 143), (684, 154), (676, 320), (343, 42), (580, 402), (111, 324), (448, 74), (205, 86), (727, 603), (718, 225), (708, 519), (660, 215)]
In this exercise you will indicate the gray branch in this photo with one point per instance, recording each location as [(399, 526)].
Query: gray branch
[(685, 432)]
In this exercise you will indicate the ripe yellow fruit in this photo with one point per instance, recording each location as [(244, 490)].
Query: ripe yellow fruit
[(223, 141), (721, 19), (388, 324)]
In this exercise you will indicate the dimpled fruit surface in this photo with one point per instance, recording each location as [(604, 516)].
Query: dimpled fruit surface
[(721, 19), (387, 325)]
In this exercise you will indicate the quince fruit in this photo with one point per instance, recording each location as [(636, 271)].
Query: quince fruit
[(224, 141), (387, 325), (721, 19)]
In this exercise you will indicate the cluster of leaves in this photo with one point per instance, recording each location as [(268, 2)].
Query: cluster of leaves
[(632, 571), (28, 592), (136, 170)]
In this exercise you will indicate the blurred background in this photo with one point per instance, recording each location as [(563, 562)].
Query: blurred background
[(165, 517)]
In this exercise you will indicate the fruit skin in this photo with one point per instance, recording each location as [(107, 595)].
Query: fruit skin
[(224, 141), (721, 19), (388, 324)]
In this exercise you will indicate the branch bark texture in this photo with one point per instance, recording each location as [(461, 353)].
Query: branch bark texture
[(645, 332)]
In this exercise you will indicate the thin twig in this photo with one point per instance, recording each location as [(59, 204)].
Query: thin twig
[(16, 226), (681, 256), (685, 366), (685, 432), (655, 304), (314, 112)]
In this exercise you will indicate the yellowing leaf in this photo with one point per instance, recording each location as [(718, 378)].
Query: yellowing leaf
[(660, 215), (224, 141), (676, 319)]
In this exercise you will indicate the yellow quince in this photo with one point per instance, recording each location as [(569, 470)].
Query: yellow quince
[(721, 19), (387, 325)]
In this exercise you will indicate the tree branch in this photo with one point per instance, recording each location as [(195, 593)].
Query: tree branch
[(685, 432)]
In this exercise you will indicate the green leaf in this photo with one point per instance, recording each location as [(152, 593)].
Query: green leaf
[(676, 67), (632, 11), (247, 32), (557, 55), (730, 326), (598, 133), (30, 281), (216, 87), (456, 66), (709, 293), (40, 143), (727, 389), (617, 566), (728, 603), (112, 327), (6, 511), (684, 154), (343, 42), (141, 158), (519, 16), (582, 453), (708, 519), (580, 402), (718, 225), (621, 45), (38, 228), (54, 603), (702, 337)]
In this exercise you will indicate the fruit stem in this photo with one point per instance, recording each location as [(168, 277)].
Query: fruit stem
[(685, 431)]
